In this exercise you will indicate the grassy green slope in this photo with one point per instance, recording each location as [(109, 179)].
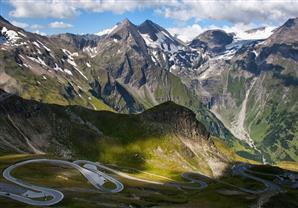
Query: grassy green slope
[(126, 140), (48, 89), (274, 123)]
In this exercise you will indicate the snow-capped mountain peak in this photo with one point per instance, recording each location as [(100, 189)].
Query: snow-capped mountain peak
[(158, 38)]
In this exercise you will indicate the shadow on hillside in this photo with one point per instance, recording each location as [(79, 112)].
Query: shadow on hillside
[(78, 132), (120, 139)]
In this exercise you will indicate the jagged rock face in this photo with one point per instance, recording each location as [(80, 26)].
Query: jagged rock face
[(180, 119), (79, 41)]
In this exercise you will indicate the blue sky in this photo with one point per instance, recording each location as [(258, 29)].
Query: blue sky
[(184, 18), (87, 22)]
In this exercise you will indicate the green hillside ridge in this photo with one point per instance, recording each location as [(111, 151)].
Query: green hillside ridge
[(274, 126), (166, 139)]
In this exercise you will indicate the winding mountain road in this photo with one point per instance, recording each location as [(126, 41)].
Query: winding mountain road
[(265, 194), (242, 170), (42, 196), (186, 176), (96, 178)]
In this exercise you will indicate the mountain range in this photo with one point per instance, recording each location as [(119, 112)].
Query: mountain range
[(243, 91)]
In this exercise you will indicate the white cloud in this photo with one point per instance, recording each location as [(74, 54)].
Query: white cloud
[(188, 33), (36, 27), (240, 30), (59, 25), (237, 11), (71, 8), (19, 24), (42, 9)]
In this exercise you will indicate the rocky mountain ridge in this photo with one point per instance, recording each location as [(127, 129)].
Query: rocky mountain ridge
[(33, 127), (135, 67)]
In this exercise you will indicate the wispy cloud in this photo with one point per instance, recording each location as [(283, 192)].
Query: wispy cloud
[(60, 25), (244, 11), (188, 33), (42, 9), (70, 8), (36, 26)]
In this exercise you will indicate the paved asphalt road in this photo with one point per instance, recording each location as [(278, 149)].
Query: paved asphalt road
[(96, 178), (186, 176), (91, 171), (241, 170)]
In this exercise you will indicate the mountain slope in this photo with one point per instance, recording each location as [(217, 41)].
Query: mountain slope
[(169, 133), (135, 67), (41, 68), (212, 40), (252, 88)]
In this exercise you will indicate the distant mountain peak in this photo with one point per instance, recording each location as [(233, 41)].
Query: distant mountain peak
[(126, 22), (149, 27), (291, 22), (287, 33), (122, 29), (148, 21), (156, 36), (213, 40)]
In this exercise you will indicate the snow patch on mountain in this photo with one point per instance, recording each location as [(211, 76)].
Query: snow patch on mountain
[(226, 55), (22, 34), (57, 68), (91, 51), (37, 60), (66, 52), (160, 42), (11, 35), (81, 73), (36, 44), (71, 62), (67, 72), (45, 47)]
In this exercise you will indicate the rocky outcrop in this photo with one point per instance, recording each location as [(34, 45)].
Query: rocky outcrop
[(179, 119)]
